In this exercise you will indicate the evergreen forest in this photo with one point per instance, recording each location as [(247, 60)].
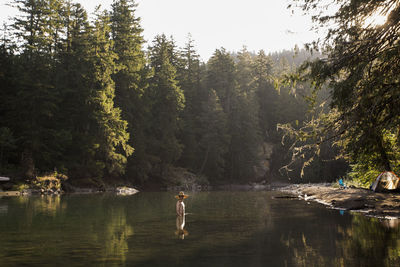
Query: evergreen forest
[(84, 96)]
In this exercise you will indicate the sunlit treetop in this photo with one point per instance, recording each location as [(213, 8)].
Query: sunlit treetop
[(360, 67), (349, 10), (339, 16)]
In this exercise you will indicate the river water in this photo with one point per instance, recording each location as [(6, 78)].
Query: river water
[(221, 229)]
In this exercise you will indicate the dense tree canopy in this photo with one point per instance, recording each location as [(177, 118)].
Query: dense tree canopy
[(86, 98), (361, 69)]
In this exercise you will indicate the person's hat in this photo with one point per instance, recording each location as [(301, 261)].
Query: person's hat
[(181, 194)]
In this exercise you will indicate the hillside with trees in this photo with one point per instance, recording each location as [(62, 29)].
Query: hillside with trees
[(85, 98)]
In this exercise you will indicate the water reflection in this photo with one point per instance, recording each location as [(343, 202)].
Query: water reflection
[(3, 209), (244, 229), (364, 242), (116, 235), (180, 224), (391, 223), (48, 205), (51, 230), (371, 241)]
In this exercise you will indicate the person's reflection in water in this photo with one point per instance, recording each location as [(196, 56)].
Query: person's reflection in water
[(391, 223), (180, 216)]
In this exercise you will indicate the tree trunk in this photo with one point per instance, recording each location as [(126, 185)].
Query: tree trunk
[(383, 155), (205, 159), (27, 164)]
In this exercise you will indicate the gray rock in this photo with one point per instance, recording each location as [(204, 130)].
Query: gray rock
[(126, 191), (27, 192)]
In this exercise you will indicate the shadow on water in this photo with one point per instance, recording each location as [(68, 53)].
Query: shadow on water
[(226, 229)]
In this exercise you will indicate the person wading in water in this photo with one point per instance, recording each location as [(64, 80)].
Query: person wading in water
[(180, 215)]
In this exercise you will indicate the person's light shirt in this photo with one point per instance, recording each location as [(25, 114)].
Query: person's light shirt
[(180, 208)]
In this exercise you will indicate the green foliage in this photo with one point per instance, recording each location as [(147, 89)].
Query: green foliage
[(189, 74), (367, 167), (221, 77), (7, 145), (266, 95), (50, 182), (38, 30), (111, 135), (167, 101), (20, 187), (131, 82), (361, 68), (62, 79), (82, 96), (213, 139)]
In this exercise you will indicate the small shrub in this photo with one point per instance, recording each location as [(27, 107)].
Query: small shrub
[(20, 187)]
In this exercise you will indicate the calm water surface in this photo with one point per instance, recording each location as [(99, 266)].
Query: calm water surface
[(222, 229)]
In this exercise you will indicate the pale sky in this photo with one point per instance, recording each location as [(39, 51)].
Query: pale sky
[(256, 24)]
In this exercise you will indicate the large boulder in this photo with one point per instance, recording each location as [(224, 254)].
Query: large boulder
[(126, 191)]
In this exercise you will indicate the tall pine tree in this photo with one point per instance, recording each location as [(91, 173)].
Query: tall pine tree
[(131, 81), (167, 101), (189, 76), (37, 28), (110, 134)]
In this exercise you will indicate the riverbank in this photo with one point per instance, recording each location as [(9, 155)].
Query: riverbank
[(57, 184), (382, 205), (121, 190)]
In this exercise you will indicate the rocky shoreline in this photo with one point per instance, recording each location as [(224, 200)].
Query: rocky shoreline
[(57, 184), (227, 187), (381, 205), (123, 191)]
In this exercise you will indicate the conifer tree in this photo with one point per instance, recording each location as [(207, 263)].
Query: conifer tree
[(110, 144), (244, 73), (245, 142), (266, 94), (131, 81), (214, 139), (167, 101), (74, 71), (233, 84), (8, 104), (37, 29), (98, 134), (244, 124), (189, 76), (221, 77)]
